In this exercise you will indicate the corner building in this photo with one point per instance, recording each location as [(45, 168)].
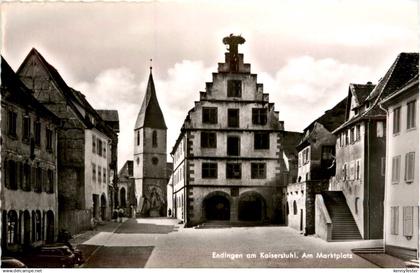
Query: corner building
[(228, 155)]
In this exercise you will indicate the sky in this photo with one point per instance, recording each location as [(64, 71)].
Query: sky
[(305, 52)]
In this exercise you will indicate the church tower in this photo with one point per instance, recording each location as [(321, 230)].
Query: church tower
[(150, 156)]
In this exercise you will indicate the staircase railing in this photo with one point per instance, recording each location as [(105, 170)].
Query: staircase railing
[(323, 223)]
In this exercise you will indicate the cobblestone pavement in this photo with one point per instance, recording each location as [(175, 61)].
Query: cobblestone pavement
[(160, 242)]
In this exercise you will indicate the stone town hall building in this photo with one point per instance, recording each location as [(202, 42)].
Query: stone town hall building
[(227, 158)]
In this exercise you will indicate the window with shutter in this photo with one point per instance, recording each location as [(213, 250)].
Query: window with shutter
[(408, 221), (396, 120), (33, 177), (6, 174), (395, 174), (409, 166), (411, 114), (394, 220)]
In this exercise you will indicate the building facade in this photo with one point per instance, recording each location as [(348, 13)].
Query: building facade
[(360, 147), (401, 209), (227, 156), (316, 153), (150, 166), (28, 191), (84, 145), (126, 198), (112, 120)]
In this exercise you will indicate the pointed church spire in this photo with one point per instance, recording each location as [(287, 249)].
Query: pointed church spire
[(150, 114)]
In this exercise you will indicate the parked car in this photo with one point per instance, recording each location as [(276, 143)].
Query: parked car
[(50, 256), (9, 262), (77, 252)]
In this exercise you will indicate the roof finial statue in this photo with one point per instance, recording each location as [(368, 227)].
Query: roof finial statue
[(233, 41), (151, 65)]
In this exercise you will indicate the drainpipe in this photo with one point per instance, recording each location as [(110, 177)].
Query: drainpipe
[(385, 219), (172, 195), (367, 224)]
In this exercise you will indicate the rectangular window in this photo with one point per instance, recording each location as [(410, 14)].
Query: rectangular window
[(233, 118), (37, 133), (261, 141), (99, 148), (258, 171), (394, 220), (383, 163), (138, 138), (396, 165), (99, 174), (352, 135), (26, 128), (259, 116), (38, 181), (234, 88), (93, 144), (305, 156), (233, 145), (209, 115), (357, 132), (12, 120), (50, 187), (351, 170), (396, 120), (93, 172), (233, 170), (209, 170), (11, 174), (208, 140), (345, 172), (411, 114), (49, 136), (104, 174), (26, 177), (300, 159), (408, 221), (347, 137), (409, 166), (327, 152), (104, 149), (357, 169), (380, 131)]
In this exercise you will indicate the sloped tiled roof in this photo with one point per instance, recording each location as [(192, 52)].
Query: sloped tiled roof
[(397, 93), (332, 118), (361, 91), (126, 170), (20, 94), (404, 68), (61, 84), (71, 95), (150, 114), (289, 142), (108, 115)]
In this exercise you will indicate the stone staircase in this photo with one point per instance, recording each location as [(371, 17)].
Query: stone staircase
[(343, 225)]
